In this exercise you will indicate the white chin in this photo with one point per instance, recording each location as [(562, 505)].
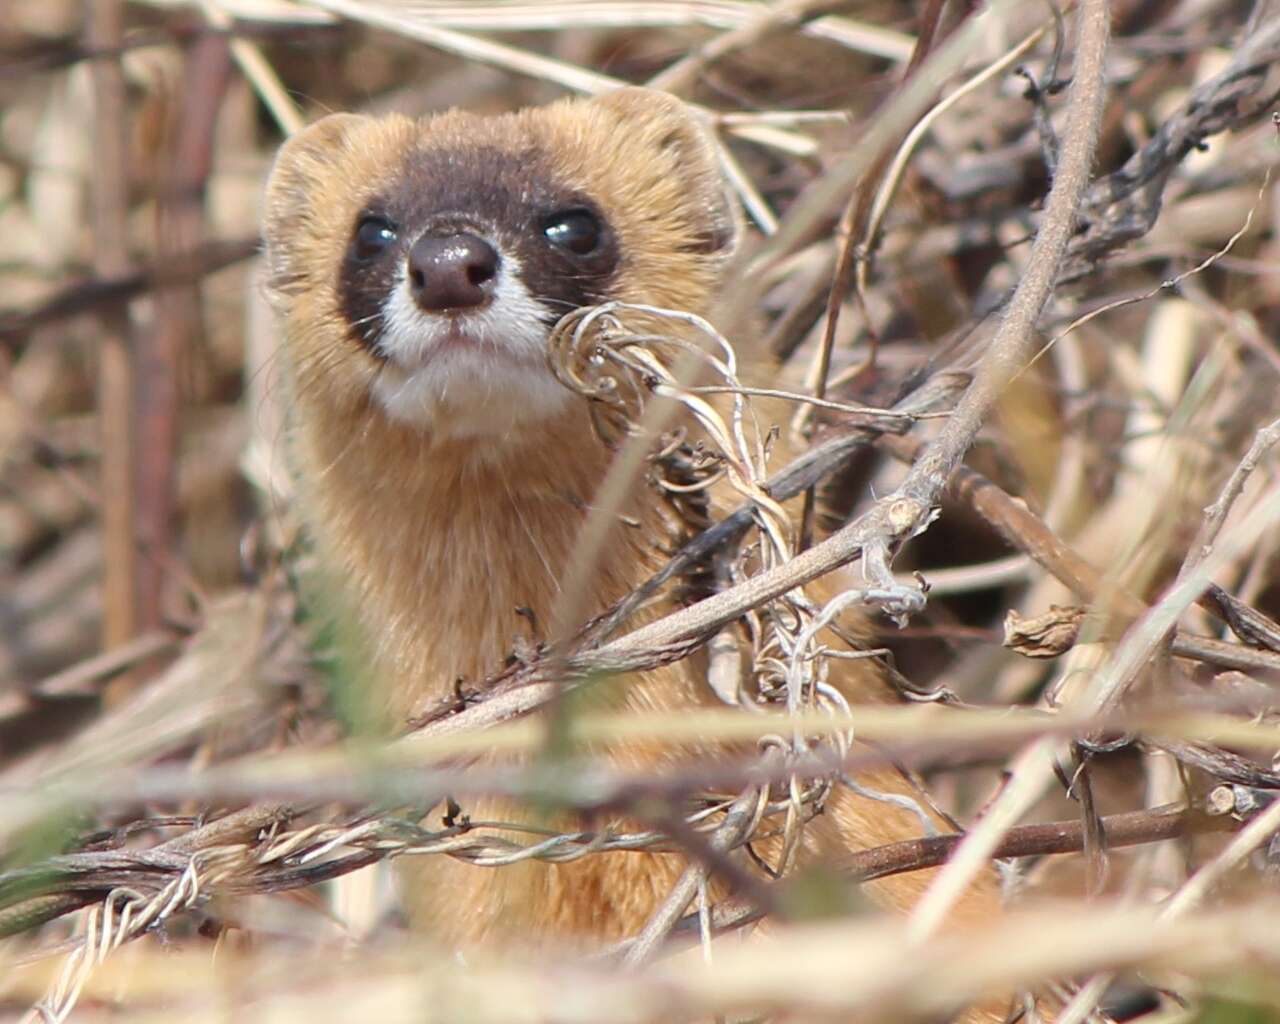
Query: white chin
[(463, 395), (479, 374)]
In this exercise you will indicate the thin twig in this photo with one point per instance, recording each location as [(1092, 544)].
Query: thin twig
[(731, 832), (1010, 348), (104, 28)]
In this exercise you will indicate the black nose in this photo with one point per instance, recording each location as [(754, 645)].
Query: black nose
[(451, 271)]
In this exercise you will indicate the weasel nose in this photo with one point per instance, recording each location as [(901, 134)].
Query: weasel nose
[(451, 271)]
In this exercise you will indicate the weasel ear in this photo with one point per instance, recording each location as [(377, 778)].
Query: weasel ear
[(291, 186), (671, 125)]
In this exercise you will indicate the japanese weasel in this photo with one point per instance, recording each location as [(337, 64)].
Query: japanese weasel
[(417, 268)]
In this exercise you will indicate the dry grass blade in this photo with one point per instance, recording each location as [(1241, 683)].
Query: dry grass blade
[(1048, 399)]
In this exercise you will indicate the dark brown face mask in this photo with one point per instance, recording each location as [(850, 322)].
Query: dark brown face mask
[(454, 218)]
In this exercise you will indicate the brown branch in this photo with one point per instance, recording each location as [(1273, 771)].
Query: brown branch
[(1131, 828), (39, 910), (179, 228), (1025, 531), (1124, 205), (55, 53), (1013, 344), (109, 193), (33, 896), (1022, 529), (1246, 622), (812, 467), (95, 293), (820, 204), (909, 510), (86, 675), (65, 884), (886, 524), (852, 230), (1224, 654), (589, 789)]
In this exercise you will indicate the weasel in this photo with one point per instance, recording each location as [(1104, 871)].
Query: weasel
[(417, 268)]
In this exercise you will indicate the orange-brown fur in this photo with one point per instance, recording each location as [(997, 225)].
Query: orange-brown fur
[(439, 540)]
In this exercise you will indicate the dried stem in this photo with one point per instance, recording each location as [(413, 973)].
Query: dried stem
[(115, 373), (1009, 350)]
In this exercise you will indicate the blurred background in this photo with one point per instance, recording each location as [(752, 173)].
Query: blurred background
[(144, 494)]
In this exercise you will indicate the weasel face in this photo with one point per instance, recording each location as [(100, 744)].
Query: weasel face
[(455, 274), (424, 264)]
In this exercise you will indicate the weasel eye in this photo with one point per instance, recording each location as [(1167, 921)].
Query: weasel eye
[(579, 231), (374, 235)]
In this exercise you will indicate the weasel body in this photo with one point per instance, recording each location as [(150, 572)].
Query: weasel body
[(418, 268)]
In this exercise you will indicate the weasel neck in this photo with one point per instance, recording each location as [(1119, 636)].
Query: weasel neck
[(448, 554)]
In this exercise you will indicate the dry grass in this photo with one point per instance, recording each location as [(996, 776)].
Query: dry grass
[(1047, 309)]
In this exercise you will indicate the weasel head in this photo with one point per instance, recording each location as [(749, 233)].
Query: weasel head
[(419, 266)]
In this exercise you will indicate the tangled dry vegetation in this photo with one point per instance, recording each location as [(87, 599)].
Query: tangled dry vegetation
[(1028, 275)]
